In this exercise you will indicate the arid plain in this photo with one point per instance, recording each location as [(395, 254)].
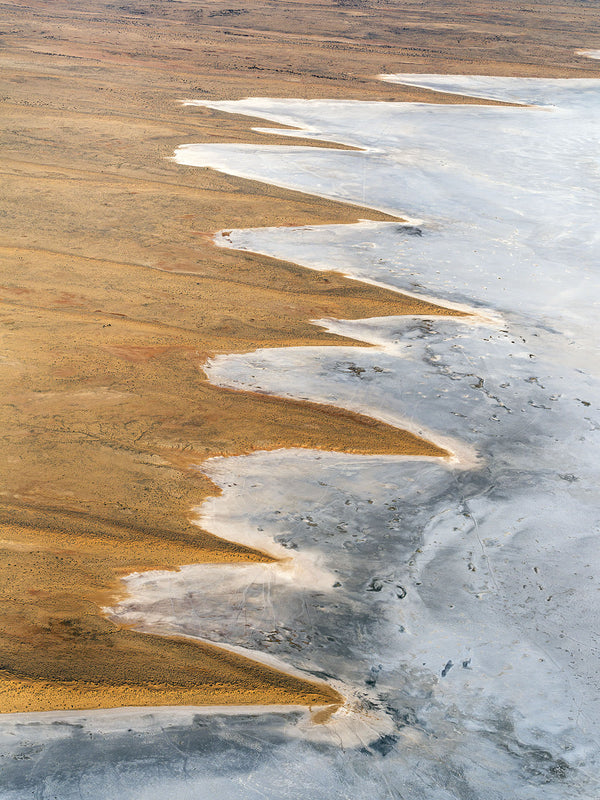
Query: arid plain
[(113, 296)]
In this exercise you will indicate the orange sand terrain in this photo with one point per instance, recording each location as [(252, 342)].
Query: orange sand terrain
[(112, 297)]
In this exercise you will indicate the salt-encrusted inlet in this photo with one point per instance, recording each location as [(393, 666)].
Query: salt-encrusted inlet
[(458, 604), (595, 54)]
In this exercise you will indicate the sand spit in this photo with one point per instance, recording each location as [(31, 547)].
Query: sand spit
[(593, 54)]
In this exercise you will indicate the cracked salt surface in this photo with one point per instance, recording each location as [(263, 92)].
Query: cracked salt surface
[(456, 601)]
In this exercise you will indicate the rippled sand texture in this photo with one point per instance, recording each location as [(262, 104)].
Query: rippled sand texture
[(456, 605)]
